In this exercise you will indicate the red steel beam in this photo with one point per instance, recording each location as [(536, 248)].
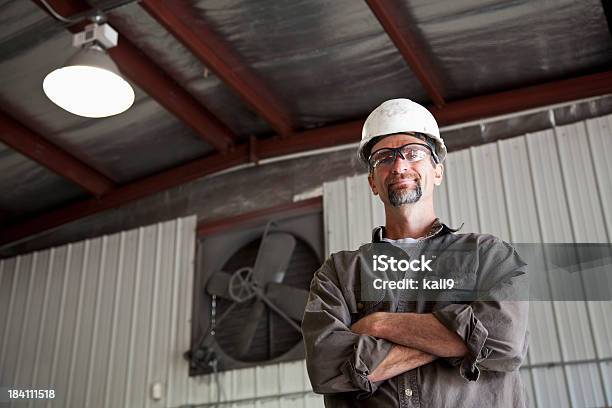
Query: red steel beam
[(216, 54), (143, 72), (125, 194), (501, 103), (147, 75), (410, 49), (455, 112), (327, 136), (37, 148)]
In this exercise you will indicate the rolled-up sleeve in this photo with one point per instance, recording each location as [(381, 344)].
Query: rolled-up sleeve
[(337, 359), (494, 330)]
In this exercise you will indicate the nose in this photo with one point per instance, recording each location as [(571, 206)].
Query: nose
[(400, 165)]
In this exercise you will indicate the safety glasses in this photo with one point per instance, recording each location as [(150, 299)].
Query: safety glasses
[(412, 152)]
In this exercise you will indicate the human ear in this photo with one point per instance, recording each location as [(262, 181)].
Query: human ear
[(438, 174), (372, 185)]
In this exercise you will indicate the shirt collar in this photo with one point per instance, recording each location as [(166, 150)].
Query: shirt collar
[(436, 228)]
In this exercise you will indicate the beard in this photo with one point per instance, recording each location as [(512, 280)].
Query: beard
[(402, 196)]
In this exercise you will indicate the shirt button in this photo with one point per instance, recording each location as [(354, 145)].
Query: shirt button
[(408, 392), (359, 305)]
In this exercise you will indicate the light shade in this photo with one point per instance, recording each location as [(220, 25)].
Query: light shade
[(89, 85)]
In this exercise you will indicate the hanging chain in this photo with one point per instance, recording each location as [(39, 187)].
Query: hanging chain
[(213, 314)]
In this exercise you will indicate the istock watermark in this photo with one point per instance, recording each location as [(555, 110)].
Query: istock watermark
[(414, 284), (490, 271), (387, 263), (383, 263)]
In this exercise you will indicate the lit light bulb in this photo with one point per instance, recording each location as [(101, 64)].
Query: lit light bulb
[(89, 85)]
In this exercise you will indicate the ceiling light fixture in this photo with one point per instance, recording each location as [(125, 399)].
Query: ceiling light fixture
[(89, 84)]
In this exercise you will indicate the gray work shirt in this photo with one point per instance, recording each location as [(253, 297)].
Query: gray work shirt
[(494, 331)]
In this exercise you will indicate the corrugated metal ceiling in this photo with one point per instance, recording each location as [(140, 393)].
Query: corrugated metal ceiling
[(325, 62), (485, 46)]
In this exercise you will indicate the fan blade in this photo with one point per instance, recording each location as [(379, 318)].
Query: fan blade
[(246, 336), (225, 313), (273, 257), (276, 310), (292, 301), (218, 284)]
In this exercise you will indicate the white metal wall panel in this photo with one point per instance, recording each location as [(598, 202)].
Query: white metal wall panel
[(127, 267), (94, 320), (527, 379), (336, 225), (344, 200), (24, 363), (50, 316), (97, 361), (582, 194), (607, 376), (377, 210), (602, 327), (273, 385), (551, 186), (462, 191), (83, 333), (523, 227), (440, 204), (490, 194), (560, 153), (516, 177), (15, 322), (599, 132), (588, 222), (181, 321), (585, 386), (550, 387), (548, 187), (552, 214), (358, 208)]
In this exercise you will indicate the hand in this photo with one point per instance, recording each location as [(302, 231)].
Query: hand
[(367, 324)]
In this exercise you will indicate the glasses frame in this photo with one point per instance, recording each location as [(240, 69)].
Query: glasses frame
[(398, 151)]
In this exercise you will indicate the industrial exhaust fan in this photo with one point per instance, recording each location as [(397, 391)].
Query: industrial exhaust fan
[(253, 287)]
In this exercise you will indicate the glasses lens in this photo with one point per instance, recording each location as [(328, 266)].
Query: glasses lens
[(414, 153), (383, 157), (411, 152)]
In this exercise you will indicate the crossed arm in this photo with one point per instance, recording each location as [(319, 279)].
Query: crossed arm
[(419, 339), (342, 358), (345, 358)]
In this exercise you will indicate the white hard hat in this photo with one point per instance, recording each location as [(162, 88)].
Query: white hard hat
[(400, 116)]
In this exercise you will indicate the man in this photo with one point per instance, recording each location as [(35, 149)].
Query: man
[(416, 352)]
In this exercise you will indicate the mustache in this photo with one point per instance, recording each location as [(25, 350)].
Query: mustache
[(397, 179)]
